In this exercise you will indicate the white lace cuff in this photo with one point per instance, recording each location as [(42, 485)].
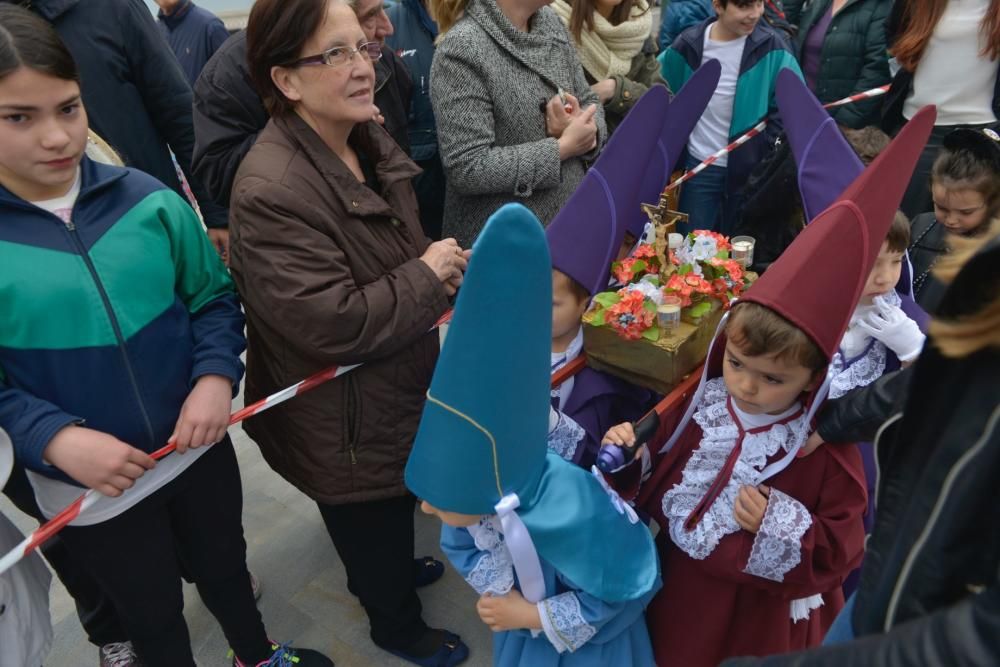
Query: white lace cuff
[(802, 607), (565, 437), (777, 548), (494, 571), (563, 622)]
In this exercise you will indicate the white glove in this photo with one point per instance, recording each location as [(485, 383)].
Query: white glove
[(553, 419), (890, 325)]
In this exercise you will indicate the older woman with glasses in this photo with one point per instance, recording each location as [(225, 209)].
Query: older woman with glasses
[(333, 269)]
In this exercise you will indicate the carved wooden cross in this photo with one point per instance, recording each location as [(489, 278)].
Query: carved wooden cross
[(661, 215)]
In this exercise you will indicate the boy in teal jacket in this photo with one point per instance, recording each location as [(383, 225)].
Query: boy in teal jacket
[(751, 55)]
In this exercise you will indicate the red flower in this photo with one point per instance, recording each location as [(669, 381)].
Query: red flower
[(629, 316), (624, 271), (680, 288), (697, 283), (644, 251)]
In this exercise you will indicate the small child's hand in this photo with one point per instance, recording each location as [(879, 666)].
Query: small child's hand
[(751, 503), (508, 612), (622, 435), (890, 325)]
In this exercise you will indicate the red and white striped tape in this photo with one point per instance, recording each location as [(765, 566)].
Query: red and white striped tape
[(757, 129), (40, 535)]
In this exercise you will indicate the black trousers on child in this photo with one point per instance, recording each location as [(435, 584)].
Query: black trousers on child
[(194, 522), (375, 541)]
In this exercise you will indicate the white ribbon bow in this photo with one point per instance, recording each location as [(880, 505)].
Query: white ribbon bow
[(522, 549)]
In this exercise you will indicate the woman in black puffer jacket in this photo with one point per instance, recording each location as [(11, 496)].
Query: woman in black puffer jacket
[(841, 47)]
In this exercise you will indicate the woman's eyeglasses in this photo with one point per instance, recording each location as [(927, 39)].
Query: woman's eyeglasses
[(341, 55)]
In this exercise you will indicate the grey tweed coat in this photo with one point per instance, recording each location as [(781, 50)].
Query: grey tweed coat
[(488, 84)]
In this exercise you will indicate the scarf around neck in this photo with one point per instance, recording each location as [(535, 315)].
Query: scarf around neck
[(608, 50)]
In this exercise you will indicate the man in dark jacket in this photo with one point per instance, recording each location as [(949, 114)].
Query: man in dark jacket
[(413, 41), (193, 33), (930, 585), (228, 112), (133, 89)]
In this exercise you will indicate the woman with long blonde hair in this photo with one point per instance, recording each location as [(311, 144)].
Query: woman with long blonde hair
[(948, 54)]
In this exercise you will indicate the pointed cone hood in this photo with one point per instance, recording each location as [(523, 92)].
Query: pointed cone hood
[(817, 281), (585, 236), (483, 431), (481, 446), (826, 162), (685, 109)]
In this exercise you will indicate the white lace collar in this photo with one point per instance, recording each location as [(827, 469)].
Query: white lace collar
[(719, 436), (858, 372)]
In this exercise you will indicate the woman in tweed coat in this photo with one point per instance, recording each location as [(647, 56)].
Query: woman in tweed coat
[(503, 132)]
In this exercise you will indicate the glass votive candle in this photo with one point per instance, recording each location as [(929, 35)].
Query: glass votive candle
[(743, 250), (668, 313)]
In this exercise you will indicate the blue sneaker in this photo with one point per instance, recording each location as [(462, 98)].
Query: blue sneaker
[(284, 655)]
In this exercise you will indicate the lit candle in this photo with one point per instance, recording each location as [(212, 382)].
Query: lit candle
[(743, 250), (668, 313)]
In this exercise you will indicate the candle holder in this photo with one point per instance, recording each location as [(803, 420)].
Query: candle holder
[(668, 314), (743, 250)]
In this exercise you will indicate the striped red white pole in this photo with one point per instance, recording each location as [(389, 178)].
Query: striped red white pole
[(757, 129)]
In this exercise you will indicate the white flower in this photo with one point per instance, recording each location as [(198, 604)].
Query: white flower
[(685, 254), (704, 248), (647, 289)]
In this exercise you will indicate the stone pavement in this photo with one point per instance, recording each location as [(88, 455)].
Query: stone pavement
[(305, 598)]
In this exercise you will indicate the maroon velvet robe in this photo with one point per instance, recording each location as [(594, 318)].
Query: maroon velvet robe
[(709, 610)]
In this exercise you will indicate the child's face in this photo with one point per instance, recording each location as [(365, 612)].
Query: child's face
[(43, 133), (739, 21), (960, 210), (566, 309), (453, 519), (884, 275), (763, 384)]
